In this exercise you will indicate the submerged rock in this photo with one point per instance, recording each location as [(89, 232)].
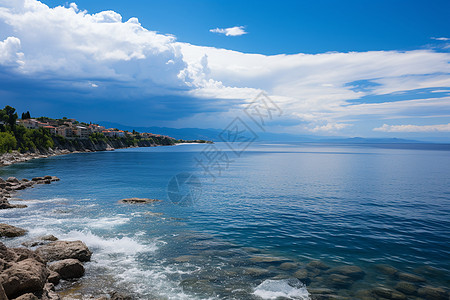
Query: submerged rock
[(266, 259), (317, 264), (410, 277), (11, 231), (388, 293), (60, 250), (138, 200), (68, 268), (433, 293), (406, 288), (354, 272), (340, 281), (386, 269)]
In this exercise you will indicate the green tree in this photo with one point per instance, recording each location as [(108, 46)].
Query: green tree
[(7, 142)]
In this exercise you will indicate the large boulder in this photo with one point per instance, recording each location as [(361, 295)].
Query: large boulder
[(13, 180), (68, 268), (60, 250), (11, 231), (26, 276)]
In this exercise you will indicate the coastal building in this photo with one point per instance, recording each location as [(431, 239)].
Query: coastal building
[(30, 123), (64, 131), (50, 128), (82, 132)]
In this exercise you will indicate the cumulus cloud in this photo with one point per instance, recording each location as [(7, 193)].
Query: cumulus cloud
[(414, 128), (232, 31), (89, 51)]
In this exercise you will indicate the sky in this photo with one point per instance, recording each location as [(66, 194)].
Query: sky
[(333, 68)]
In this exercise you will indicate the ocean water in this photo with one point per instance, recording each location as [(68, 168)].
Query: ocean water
[(243, 230)]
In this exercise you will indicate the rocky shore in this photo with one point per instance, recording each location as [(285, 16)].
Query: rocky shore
[(31, 272)]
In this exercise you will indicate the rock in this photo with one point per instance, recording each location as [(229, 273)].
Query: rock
[(47, 181), (410, 277), (13, 180), (340, 281), (28, 296), (26, 276), (2, 180), (37, 178), (387, 269), (255, 272), (53, 277), (119, 296), (301, 274), (60, 250), (2, 293), (49, 237), (48, 177), (317, 264), (353, 272), (288, 266), (433, 293), (266, 259), (406, 288), (388, 293), (25, 180), (139, 200), (185, 258), (54, 178), (11, 231), (68, 268), (24, 253)]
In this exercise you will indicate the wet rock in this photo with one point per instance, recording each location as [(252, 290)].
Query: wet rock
[(139, 200), (317, 264), (433, 293), (12, 180), (60, 250), (11, 231), (386, 269), (53, 277), (266, 259), (54, 178), (28, 296), (354, 272), (47, 177), (301, 274), (388, 293), (37, 179), (406, 288), (68, 268), (288, 266), (410, 277), (120, 296), (340, 281), (49, 237), (24, 253), (255, 272), (26, 276)]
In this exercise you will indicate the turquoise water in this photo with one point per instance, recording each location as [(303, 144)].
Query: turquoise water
[(341, 204)]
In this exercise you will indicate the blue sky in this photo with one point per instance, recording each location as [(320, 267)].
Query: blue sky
[(347, 68)]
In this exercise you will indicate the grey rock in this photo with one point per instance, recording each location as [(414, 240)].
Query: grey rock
[(410, 277), (353, 272), (317, 264), (433, 293), (406, 288), (386, 269), (340, 281), (139, 200)]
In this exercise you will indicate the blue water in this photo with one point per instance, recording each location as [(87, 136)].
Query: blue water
[(343, 204)]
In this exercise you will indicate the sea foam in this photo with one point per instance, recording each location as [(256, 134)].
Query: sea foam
[(286, 288)]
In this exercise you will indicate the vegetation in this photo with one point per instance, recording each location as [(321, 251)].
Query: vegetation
[(18, 137)]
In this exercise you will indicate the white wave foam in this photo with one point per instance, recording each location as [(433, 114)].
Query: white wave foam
[(286, 288)]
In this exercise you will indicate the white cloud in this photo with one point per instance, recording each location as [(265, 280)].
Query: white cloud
[(440, 38), (66, 43), (232, 31), (414, 128)]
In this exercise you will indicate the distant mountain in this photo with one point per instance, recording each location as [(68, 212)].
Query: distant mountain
[(213, 135)]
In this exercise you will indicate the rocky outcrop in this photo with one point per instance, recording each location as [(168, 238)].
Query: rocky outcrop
[(68, 268), (11, 231), (10, 186), (138, 200), (60, 250), (24, 273)]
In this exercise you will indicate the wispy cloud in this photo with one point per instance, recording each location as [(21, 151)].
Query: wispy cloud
[(440, 38), (414, 128), (232, 31)]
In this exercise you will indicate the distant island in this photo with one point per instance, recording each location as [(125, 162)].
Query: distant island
[(27, 137)]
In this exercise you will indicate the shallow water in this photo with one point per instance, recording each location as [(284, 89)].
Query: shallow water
[(277, 203)]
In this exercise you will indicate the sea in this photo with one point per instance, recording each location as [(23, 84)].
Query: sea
[(246, 224)]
